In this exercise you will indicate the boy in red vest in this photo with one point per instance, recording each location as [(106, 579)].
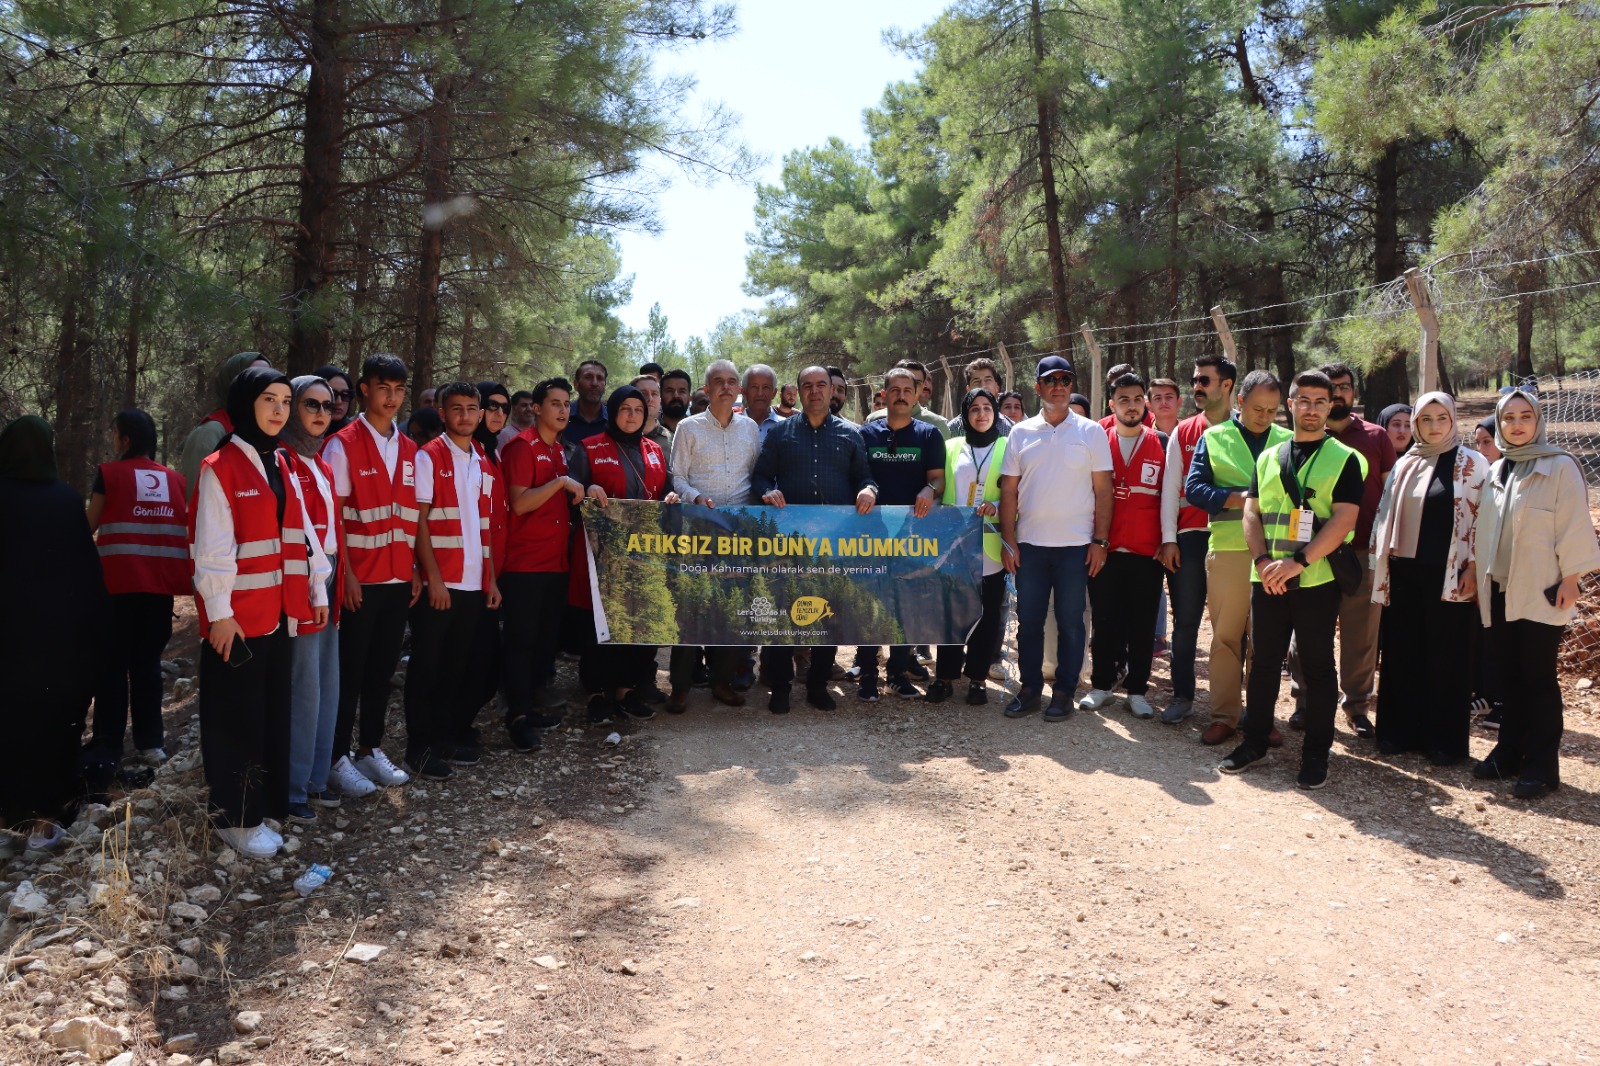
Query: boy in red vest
[(540, 494), (455, 501), (1123, 595), (375, 478)]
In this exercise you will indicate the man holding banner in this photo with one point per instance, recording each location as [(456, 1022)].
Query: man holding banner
[(711, 465), (818, 458)]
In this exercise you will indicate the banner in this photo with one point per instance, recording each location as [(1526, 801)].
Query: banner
[(685, 574)]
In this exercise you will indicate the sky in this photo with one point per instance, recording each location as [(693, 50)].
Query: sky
[(797, 74)]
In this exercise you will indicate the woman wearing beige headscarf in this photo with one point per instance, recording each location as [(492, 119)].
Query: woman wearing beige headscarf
[(1535, 540), (1425, 575)]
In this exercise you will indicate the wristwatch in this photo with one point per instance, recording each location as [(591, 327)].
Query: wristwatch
[(1300, 557), (1100, 541)]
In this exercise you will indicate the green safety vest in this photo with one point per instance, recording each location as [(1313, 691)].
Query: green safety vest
[(1317, 480), (991, 488), (1231, 469)]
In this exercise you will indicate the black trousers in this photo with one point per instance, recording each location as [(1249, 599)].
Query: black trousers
[(778, 664), (438, 693), (611, 667), (1123, 598), (1310, 615), (141, 625), (723, 662), (369, 651), (535, 610), (1530, 732), (484, 673), (1424, 690), (244, 730), (983, 643)]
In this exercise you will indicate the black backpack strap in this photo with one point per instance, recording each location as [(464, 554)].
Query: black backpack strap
[(1286, 472)]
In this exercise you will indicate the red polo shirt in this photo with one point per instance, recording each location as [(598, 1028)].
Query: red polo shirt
[(536, 542)]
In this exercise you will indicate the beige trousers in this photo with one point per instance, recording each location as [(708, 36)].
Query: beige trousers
[(1228, 603)]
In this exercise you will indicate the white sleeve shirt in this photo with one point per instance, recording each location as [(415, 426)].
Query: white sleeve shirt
[(1171, 489)]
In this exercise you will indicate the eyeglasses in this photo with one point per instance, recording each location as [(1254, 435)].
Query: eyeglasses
[(319, 406), (496, 405), (342, 395), (1057, 380), (1200, 379)]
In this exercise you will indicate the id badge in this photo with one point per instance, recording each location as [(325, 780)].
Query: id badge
[(972, 494), (1301, 521)]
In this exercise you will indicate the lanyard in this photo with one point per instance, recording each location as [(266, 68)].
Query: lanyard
[(981, 469)]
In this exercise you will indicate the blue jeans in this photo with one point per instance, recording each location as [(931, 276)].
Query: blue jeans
[(313, 710), (1040, 572), (1188, 607)]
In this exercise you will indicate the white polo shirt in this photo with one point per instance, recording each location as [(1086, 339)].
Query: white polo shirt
[(1055, 465)]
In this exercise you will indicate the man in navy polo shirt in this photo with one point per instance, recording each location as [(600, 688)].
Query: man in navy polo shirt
[(906, 455)]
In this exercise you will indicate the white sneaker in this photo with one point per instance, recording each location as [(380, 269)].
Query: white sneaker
[(346, 779), (1141, 707), (380, 771), (153, 756), (248, 842), (997, 673), (265, 841), (1095, 699), (271, 834)]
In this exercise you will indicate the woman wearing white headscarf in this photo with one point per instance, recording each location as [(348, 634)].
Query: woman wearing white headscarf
[(1535, 540), (1425, 574)]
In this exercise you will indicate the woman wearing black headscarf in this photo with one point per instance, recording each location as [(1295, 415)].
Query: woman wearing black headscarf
[(1396, 421), (138, 512), (54, 623), (339, 382), (620, 464), (972, 479), (257, 563)]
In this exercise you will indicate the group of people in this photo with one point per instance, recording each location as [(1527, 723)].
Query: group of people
[(318, 531)]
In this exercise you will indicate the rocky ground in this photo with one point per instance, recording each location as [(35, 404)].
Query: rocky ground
[(895, 882)]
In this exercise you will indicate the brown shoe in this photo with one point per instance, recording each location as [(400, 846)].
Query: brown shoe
[(1217, 732), (1274, 738), (678, 701), (725, 693)]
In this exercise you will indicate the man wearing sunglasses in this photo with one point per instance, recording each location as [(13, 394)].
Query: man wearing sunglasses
[(1055, 524)]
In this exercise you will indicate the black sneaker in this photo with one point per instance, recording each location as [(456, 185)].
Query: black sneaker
[(525, 735), (918, 671), (634, 706), (779, 703), (1361, 725), (868, 692), (820, 698), (1297, 721), (1493, 719), (977, 694), (301, 814), (429, 768), (1242, 758), (601, 710), (1313, 774), (938, 692), (326, 798), (467, 751), (1061, 705), (1528, 788), (903, 687), (651, 693), (701, 679), (1024, 703)]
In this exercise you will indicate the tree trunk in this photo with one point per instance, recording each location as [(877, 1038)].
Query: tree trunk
[(130, 351), (1524, 336), (361, 295), (310, 328), (1387, 382), (73, 404), (1052, 201), (436, 149)]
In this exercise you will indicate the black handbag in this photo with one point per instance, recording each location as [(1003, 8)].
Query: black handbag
[(1343, 561)]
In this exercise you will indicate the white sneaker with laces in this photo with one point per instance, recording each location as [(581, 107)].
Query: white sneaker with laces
[(346, 779), (265, 841), (271, 834), (247, 842), (1141, 707), (380, 771), (1095, 699)]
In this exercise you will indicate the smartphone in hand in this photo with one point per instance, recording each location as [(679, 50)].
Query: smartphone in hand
[(239, 653), (1551, 593)]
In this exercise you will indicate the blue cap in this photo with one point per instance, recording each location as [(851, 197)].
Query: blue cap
[(1053, 364)]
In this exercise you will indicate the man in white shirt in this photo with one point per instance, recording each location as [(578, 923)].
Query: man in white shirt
[(714, 454), (444, 626), (1055, 521)]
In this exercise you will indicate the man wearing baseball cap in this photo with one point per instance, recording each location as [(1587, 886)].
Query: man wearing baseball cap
[(1055, 521)]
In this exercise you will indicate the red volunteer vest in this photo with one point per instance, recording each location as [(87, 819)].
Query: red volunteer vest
[(606, 470), (380, 515), (274, 567), (444, 515), (1136, 486), (320, 514), (220, 417), (144, 529), (1189, 432)]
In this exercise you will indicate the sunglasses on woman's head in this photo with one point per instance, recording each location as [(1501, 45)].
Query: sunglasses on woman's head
[(316, 406)]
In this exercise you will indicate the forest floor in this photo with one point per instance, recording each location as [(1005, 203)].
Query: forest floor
[(888, 883)]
